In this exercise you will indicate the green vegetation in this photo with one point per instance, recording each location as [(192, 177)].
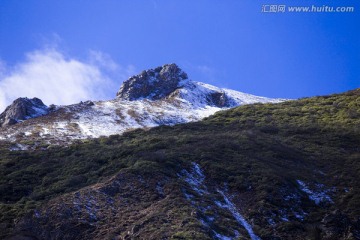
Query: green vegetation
[(258, 150)]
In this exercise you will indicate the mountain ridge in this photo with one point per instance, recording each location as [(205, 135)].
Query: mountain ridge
[(163, 95)]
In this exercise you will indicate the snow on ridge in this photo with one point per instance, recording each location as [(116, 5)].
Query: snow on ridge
[(196, 93), (245, 98), (117, 116), (103, 118)]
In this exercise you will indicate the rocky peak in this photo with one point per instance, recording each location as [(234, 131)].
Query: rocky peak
[(152, 84), (22, 109)]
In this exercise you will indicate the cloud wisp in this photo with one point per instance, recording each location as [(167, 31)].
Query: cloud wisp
[(57, 79)]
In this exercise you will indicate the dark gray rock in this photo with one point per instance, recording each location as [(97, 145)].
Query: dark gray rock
[(22, 109), (218, 99), (87, 103), (152, 84)]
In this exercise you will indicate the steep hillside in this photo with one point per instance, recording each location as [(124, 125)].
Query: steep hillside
[(262, 171)]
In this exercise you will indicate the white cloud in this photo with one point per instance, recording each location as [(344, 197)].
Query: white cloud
[(56, 79), (103, 60)]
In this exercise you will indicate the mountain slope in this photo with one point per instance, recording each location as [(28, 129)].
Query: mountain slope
[(270, 171), (160, 96)]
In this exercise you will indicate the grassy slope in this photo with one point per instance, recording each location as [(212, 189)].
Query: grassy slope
[(258, 150)]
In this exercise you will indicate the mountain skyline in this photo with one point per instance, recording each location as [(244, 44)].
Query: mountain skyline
[(54, 48)]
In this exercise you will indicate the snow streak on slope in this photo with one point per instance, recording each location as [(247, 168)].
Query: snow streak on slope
[(195, 179), (318, 195), (239, 218)]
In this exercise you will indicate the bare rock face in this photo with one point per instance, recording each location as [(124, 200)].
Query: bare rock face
[(152, 84), (219, 99), (22, 109), (162, 82)]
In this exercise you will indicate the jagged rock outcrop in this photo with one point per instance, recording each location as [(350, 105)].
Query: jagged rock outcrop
[(22, 109), (164, 82), (152, 84)]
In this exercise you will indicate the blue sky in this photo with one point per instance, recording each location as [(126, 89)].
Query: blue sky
[(225, 43)]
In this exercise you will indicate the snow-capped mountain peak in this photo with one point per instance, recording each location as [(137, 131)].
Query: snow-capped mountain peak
[(161, 96)]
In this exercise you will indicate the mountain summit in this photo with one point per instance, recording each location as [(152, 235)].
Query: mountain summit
[(172, 83), (160, 96), (152, 84)]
